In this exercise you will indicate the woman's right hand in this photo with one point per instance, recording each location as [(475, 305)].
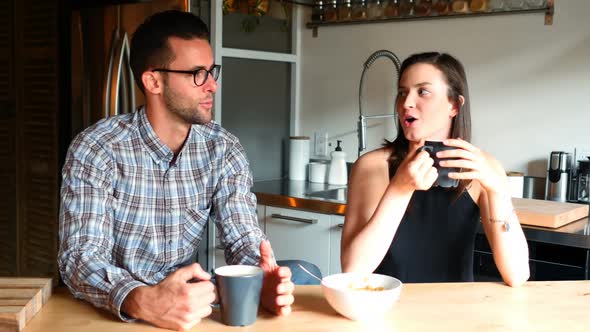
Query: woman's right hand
[(416, 172)]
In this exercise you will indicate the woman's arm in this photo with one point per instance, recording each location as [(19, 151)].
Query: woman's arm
[(376, 205), (505, 236), (499, 219)]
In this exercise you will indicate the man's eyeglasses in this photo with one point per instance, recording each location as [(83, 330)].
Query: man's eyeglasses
[(200, 75)]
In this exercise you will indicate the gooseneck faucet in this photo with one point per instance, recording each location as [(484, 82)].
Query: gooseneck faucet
[(362, 122)]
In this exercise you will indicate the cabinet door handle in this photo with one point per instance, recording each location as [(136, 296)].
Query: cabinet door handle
[(301, 220), (340, 225)]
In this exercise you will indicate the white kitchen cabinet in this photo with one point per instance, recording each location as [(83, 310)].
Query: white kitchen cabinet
[(297, 234), (219, 257), (336, 224)]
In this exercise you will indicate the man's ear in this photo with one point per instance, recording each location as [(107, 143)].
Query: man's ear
[(152, 82)]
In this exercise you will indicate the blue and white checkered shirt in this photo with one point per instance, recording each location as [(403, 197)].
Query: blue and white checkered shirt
[(130, 216)]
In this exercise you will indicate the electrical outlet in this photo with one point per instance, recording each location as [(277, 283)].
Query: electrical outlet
[(320, 143)]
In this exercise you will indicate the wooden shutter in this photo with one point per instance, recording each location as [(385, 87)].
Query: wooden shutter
[(37, 79), (7, 143)]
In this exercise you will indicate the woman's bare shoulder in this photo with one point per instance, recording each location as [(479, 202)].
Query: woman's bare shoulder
[(376, 159), (475, 191), (368, 182)]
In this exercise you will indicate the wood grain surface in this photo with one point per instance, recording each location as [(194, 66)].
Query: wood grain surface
[(549, 214), (20, 300), (453, 307)]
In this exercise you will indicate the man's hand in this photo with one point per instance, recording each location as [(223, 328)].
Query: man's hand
[(277, 288), (173, 303)]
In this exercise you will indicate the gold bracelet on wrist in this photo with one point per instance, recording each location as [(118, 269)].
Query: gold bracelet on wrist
[(504, 221)]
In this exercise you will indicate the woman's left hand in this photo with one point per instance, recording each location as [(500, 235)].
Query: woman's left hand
[(475, 165)]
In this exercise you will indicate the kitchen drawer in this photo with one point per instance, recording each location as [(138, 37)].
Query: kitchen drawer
[(546, 262), (484, 268), (543, 270), (296, 234), (335, 236)]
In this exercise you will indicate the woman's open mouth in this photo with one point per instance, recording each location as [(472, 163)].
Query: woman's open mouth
[(409, 121)]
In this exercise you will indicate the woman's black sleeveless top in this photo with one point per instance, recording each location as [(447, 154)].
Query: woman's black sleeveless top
[(435, 239)]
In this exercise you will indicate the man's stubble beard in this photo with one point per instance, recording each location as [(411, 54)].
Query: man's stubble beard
[(190, 114)]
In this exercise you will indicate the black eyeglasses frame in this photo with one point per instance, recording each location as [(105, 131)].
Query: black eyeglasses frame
[(214, 72)]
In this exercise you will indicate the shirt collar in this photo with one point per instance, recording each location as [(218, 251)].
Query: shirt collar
[(156, 148)]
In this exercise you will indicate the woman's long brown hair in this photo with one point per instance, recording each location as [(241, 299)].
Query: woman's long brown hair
[(455, 77)]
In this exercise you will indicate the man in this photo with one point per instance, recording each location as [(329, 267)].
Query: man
[(139, 188)]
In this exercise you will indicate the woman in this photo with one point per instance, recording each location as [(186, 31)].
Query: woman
[(397, 223)]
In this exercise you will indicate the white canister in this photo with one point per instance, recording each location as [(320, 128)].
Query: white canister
[(298, 157), (318, 172), (515, 183)]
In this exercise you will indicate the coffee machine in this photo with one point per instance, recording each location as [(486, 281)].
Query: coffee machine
[(558, 176), (581, 189)]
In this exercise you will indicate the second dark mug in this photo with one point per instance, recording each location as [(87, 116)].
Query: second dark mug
[(239, 288), (443, 180)]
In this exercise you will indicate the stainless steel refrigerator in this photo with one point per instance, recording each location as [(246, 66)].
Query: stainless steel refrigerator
[(101, 78)]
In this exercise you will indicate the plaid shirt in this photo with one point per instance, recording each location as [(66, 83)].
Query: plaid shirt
[(130, 216)]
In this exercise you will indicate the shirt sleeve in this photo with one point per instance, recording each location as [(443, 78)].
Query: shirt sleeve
[(85, 257), (234, 210)]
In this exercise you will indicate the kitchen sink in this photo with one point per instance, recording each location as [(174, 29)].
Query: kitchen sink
[(338, 194)]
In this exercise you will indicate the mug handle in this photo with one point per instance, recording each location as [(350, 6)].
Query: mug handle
[(214, 281)]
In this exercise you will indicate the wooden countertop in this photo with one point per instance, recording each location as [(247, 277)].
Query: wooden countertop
[(292, 194), (453, 307)]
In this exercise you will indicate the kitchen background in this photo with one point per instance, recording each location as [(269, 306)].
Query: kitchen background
[(529, 82), (529, 85)]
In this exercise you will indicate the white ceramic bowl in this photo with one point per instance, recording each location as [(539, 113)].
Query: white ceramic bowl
[(343, 292)]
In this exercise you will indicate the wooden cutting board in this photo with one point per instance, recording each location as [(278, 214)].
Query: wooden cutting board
[(20, 300), (549, 214)]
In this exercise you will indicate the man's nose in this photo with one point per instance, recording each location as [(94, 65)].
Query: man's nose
[(210, 85)]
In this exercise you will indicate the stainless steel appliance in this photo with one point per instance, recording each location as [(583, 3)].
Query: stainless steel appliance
[(101, 78), (582, 189), (558, 175)]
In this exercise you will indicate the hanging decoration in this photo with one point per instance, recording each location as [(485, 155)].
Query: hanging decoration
[(256, 9)]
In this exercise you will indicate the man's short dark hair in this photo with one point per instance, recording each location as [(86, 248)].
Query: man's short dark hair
[(149, 45)]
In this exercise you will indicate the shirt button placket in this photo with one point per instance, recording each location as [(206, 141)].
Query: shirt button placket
[(168, 215), (171, 220)]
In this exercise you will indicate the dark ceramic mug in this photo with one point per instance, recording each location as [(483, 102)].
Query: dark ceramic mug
[(238, 287), (443, 180)]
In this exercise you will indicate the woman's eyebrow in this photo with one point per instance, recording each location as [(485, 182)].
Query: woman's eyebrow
[(415, 85)]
